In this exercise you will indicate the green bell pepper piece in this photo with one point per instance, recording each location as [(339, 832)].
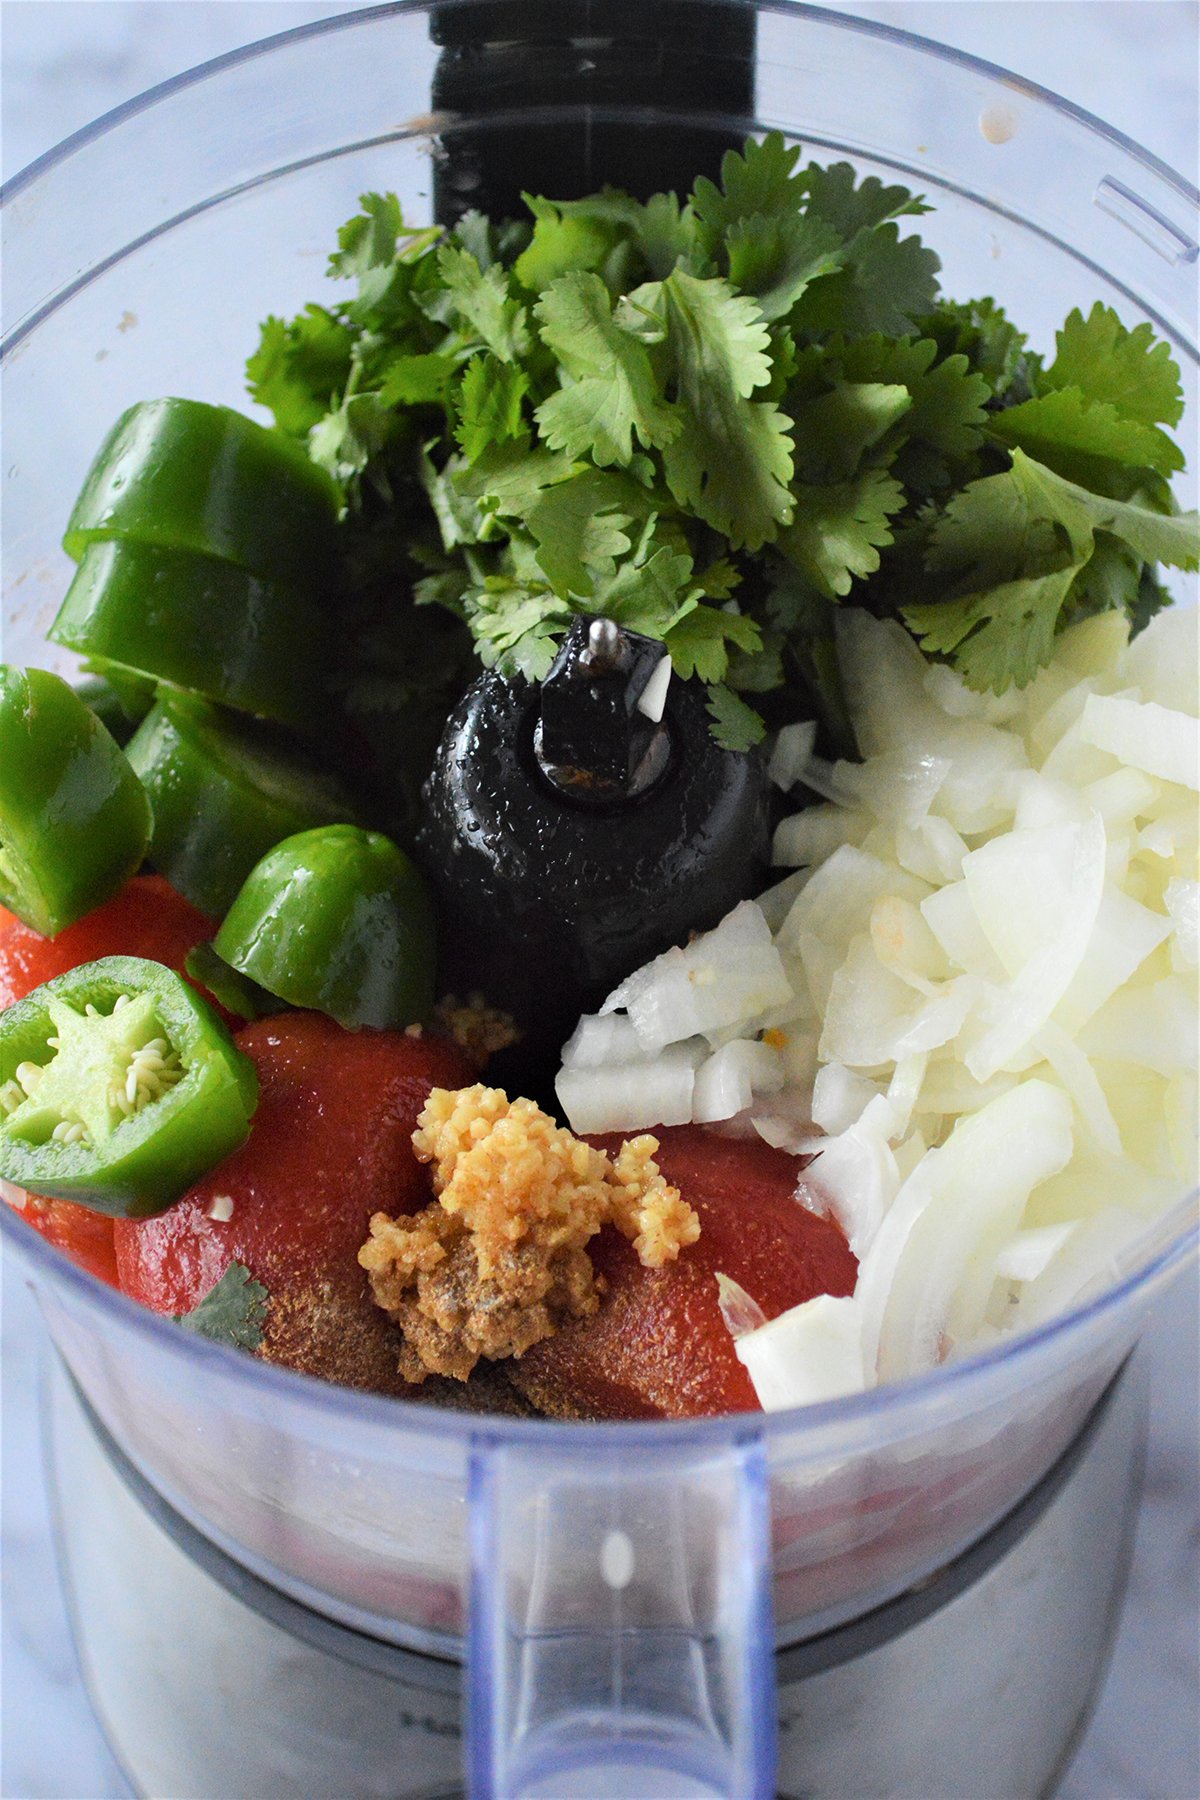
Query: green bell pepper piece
[(224, 790), (185, 475), (338, 920), (198, 623), (119, 1088), (74, 820), (235, 992)]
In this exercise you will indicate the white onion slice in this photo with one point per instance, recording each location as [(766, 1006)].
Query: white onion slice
[(1144, 735), (632, 1097), (929, 1272), (809, 1354)]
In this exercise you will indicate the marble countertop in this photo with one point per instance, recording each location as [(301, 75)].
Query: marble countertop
[(1132, 62)]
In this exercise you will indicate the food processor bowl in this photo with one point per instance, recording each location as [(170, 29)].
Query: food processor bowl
[(140, 257)]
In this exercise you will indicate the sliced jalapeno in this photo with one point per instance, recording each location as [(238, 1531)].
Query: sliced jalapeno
[(224, 790), (119, 698), (74, 820), (119, 1088), (183, 474), (198, 623), (340, 921)]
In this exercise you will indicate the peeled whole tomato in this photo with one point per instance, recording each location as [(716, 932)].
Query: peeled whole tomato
[(658, 1347), (147, 918), (84, 1237), (330, 1145)]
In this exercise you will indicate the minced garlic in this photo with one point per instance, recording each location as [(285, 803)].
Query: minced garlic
[(498, 1261)]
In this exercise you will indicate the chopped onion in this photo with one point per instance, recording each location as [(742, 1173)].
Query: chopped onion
[(631, 1097), (1144, 735), (809, 1354), (724, 977), (730, 1079), (793, 747)]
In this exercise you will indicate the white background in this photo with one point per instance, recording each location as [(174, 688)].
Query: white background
[(1133, 62)]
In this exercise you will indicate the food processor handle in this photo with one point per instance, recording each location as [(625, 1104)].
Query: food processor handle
[(621, 1636)]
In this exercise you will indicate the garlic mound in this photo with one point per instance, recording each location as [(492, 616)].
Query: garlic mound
[(974, 1001)]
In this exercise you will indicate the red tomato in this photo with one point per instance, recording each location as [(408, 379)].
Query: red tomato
[(147, 918), (330, 1145), (658, 1347), (85, 1237)]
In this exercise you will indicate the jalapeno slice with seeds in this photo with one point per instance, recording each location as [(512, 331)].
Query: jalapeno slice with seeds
[(74, 820), (337, 920), (119, 1088)]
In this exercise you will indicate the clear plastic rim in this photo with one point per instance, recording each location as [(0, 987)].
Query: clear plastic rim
[(353, 1406), (78, 140)]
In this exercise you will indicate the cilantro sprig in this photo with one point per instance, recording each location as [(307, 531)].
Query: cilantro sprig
[(233, 1311), (715, 420)]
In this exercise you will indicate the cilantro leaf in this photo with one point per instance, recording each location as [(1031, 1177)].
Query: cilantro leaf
[(998, 638), (732, 461), (837, 531), (300, 367), (612, 391), (885, 285), (489, 403), (368, 240), (563, 243), (980, 331), (580, 534), (834, 431), (1172, 538), (233, 1312), (507, 478), (516, 630), (1126, 369), (989, 532), (1076, 436), (699, 641), (834, 193), (736, 726), (775, 259), (758, 182), (480, 298), (420, 379), (348, 441)]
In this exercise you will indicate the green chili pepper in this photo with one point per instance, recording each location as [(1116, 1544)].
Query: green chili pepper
[(235, 992), (119, 1088), (338, 920), (74, 820), (119, 699), (185, 475), (200, 624), (224, 790)]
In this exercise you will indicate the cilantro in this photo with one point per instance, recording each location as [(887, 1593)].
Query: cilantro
[(647, 408), (1078, 437), (700, 641), (1127, 370), (1000, 637), (732, 461), (837, 532), (233, 1312), (481, 300), (736, 726), (611, 392), (490, 400), (300, 368)]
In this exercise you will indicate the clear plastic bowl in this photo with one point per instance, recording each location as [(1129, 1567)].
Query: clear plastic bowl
[(139, 258)]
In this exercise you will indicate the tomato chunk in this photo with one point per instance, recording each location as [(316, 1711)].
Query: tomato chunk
[(83, 1236), (330, 1145), (147, 918), (658, 1347)]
